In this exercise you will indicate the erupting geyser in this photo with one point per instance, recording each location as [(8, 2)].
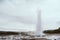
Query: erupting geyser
[(38, 27)]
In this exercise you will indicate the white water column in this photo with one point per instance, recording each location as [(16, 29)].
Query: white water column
[(38, 27)]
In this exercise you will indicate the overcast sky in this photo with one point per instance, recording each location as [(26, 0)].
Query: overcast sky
[(17, 15)]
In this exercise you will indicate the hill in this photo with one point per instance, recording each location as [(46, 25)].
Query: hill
[(56, 31)]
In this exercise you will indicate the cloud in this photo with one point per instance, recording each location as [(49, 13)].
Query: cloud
[(16, 12)]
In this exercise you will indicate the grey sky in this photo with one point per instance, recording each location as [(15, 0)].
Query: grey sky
[(22, 14)]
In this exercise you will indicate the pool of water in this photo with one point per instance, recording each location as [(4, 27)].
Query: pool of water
[(53, 36)]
